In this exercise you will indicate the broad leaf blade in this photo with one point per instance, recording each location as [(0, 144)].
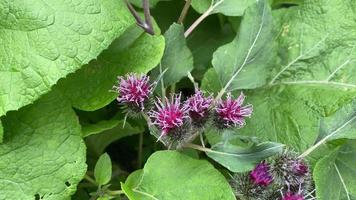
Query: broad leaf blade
[(288, 114), (196, 179), (44, 41), (247, 58), (341, 124), (1, 132), (90, 88), (337, 171), (177, 58), (238, 159), (103, 169), (43, 153)]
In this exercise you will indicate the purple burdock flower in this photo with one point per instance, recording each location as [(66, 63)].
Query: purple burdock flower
[(169, 114), (134, 90), (261, 175), (198, 107), (291, 196), (300, 168), (232, 113)]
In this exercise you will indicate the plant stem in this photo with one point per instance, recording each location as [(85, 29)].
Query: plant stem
[(312, 148), (184, 12), (147, 24), (116, 192), (197, 147), (163, 89), (90, 179), (201, 18), (148, 21), (140, 146)]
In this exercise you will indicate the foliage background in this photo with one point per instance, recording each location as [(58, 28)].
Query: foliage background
[(60, 59)]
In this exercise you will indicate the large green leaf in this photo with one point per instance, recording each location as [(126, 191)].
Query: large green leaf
[(135, 51), (289, 114), (244, 63), (172, 175), (1, 132), (43, 41), (317, 48), (337, 171), (177, 58), (238, 159), (43, 154), (226, 7), (341, 124)]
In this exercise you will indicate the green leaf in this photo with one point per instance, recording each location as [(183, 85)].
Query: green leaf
[(44, 41), (177, 58), (91, 129), (289, 114), (103, 170), (97, 143), (337, 126), (316, 56), (1, 132), (238, 159), (135, 51), (172, 175), (43, 153), (131, 182), (337, 171), (340, 125), (226, 7), (244, 63)]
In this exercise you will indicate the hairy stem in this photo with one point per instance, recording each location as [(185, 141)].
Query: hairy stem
[(184, 12)]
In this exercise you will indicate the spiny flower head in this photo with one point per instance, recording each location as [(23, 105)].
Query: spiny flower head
[(134, 90), (291, 196), (232, 112), (198, 106), (299, 167), (169, 114), (288, 168), (261, 174)]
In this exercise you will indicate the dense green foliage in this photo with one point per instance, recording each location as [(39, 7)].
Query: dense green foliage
[(59, 62)]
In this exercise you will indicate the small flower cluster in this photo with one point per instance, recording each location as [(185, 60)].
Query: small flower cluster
[(286, 177), (180, 120)]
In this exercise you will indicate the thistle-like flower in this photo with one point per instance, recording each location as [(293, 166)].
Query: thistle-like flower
[(198, 108), (261, 174), (231, 113), (291, 196), (134, 91), (288, 169), (169, 114)]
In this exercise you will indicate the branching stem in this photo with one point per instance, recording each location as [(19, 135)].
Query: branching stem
[(147, 24), (201, 18), (184, 12)]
